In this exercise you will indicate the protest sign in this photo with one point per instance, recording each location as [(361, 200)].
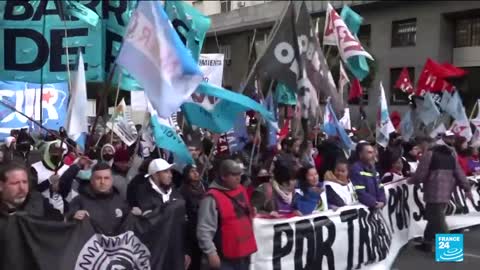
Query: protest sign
[(211, 65), (354, 236), (26, 98)]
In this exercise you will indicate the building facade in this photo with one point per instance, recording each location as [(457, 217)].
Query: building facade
[(397, 33)]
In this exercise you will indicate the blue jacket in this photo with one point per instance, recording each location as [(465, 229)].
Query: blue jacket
[(367, 184), (306, 200)]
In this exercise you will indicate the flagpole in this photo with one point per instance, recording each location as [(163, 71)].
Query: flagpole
[(115, 106), (272, 33), (33, 121), (62, 15), (104, 96), (473, 110)]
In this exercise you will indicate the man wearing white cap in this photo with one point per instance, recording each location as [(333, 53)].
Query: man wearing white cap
[(160, 189), (159, 192)]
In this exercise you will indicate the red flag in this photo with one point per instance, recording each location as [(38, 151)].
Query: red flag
[(455, 70), (403, 82), (433, 77), (356, 91), (283, 133)]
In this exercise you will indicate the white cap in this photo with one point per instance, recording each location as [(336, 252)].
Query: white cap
[(158, 165), (449, 133)]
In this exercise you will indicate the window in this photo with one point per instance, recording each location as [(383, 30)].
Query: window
[(225, 49), (225, 6), (365, 91), (404, 33), (467, 32), (397, 97), (364, 35)]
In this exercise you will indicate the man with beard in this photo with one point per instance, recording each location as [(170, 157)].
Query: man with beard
[(16, 196), (159, 192)]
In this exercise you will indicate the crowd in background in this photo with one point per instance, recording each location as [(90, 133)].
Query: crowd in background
[(47, 178)]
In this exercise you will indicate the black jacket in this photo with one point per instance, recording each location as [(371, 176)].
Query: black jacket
[(106, 211), (133, 188), (149, 199), (35, 205)]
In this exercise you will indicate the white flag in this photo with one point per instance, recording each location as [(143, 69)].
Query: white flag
[(461, 126), (438, 130), (77, 117), (345, 121), (384, 124), (329, 37), (342, 81), (476, 122)]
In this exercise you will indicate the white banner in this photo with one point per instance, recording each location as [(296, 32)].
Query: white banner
[(211, 65), (354, 236)]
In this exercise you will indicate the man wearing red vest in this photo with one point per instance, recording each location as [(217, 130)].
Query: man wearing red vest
[(225, 229)]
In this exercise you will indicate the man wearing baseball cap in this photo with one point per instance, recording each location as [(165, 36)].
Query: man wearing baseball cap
[(227, 213), (160, 191)]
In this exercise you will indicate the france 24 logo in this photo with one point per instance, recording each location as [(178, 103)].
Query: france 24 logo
[(449, 247)]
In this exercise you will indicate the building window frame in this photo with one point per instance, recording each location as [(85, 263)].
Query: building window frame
[(404, 33), (226, 50), (365, 35), (225, 6), (364, 99), (471, 28), (397, 97)]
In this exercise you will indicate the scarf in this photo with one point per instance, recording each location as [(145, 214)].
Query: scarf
[(329, 176), (165, 196), (284, 195)]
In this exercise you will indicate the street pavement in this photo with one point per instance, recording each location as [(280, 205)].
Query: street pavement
[(411, 259)]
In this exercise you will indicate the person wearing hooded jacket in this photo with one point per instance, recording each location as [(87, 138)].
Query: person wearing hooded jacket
[(48, 176), (193, 190), (107, 153), (101, 203), (440, 173), (225, 225), (158, 192)]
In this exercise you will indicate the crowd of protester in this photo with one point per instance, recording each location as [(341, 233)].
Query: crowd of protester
[(221, 194)]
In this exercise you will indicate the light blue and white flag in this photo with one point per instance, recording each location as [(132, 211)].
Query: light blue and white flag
[(332, 127), (455, 106), (384, 123), (445, 100), (406, 126), (427, 110), (77, 118), (221, 117), (154, 54)]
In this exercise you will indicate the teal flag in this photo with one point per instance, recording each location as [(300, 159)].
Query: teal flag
[(352, 19), (190, 24), (357, 64), (33, 44), (221, 117), (285, 96), (167, 138)]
